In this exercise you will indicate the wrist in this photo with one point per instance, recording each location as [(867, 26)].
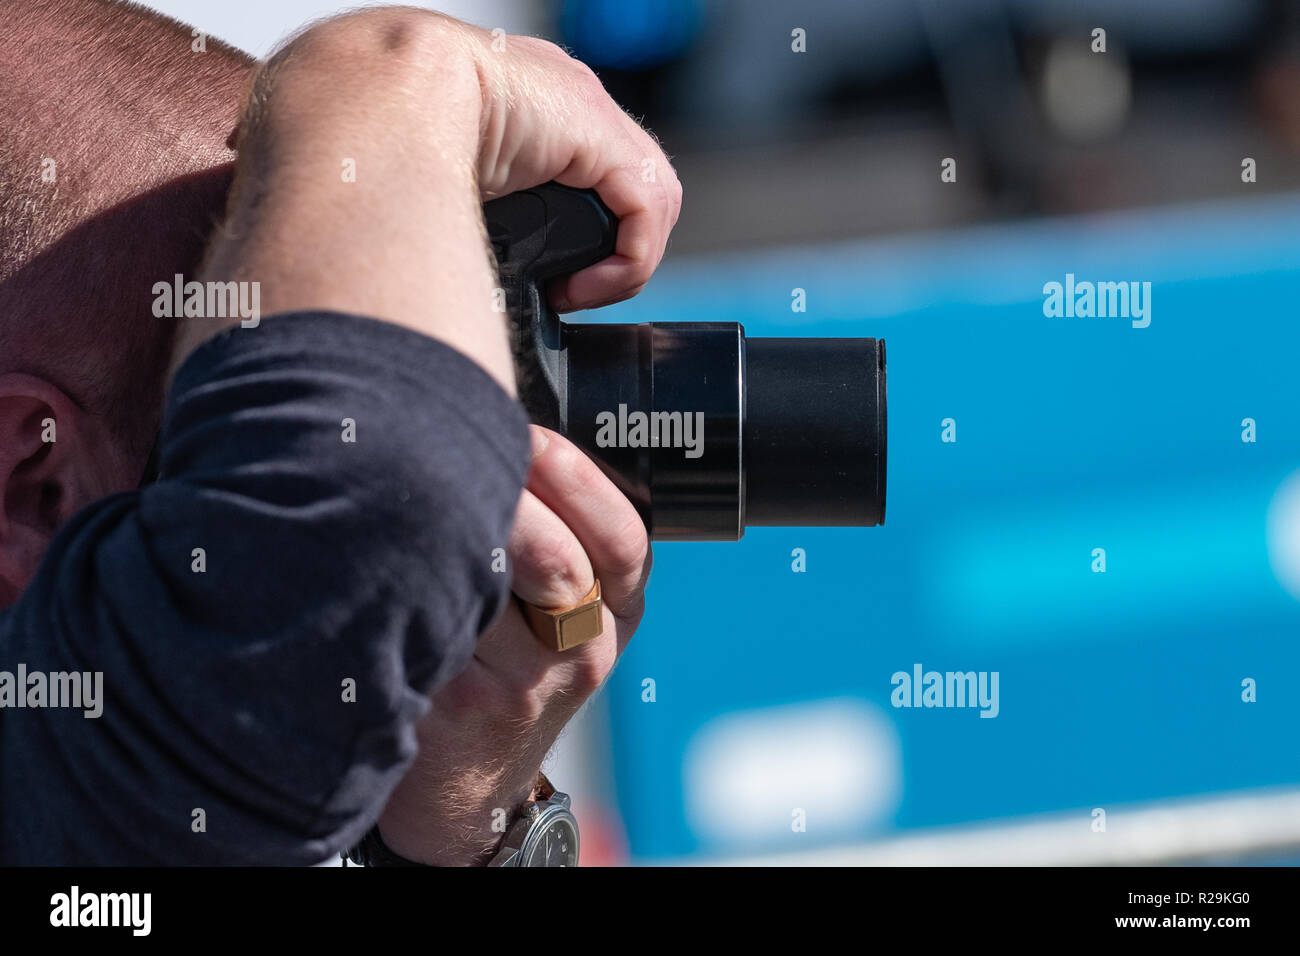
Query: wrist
[(461, 824), (416, 71), (363, 135)]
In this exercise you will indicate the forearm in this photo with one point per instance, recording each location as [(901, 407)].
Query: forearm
[(270, 616), (355, 187)]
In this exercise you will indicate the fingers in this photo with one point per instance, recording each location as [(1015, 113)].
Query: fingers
[(550, 570), (646, 196), (547, 117), (629, 171), (550, 567), (596, 513), (571, 527)]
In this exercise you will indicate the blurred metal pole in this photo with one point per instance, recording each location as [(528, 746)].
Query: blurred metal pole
[(990, 102)]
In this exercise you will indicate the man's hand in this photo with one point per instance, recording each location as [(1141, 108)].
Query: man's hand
[(488, 730), (433, 116), (427, 117), (546, 116)]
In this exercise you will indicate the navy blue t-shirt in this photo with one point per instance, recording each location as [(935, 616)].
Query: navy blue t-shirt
[(268, 618)]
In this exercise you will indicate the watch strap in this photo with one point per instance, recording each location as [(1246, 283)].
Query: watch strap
[(373, 851)]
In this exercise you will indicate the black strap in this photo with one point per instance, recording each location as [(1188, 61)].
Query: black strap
[(373, 851)]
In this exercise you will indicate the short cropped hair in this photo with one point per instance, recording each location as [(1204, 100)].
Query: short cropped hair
[(114, 165)]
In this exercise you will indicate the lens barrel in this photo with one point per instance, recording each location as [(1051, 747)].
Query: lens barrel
[(708, 432)]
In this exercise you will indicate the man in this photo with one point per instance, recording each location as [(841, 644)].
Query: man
[(308, 589)]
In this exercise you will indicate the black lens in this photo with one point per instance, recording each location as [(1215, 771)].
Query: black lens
[(707, 432), (815, 432)]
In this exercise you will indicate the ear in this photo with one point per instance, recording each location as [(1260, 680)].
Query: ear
[(52, 463)]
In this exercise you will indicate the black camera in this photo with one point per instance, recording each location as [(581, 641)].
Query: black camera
[(706, 432)]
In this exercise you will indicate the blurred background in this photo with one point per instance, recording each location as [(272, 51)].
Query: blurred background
[(757, 697)]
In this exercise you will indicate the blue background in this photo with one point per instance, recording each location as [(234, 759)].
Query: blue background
[(1072, 434)]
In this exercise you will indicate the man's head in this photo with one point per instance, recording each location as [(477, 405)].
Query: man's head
[(113, 170)]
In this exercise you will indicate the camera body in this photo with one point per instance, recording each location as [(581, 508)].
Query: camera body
[(704, 430)]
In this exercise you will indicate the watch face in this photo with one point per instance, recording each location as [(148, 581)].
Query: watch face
[(555, 842)]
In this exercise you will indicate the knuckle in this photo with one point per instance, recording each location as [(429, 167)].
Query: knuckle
[(675, 194), (642, 256), (545, 50), (577, 474), (583, 72), (554, 564), (629, 548), (638, 278), (590, 90), (541, 45), (624, 293), (633, 609)]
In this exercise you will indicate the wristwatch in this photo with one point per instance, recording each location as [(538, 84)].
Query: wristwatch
[(544, 833)]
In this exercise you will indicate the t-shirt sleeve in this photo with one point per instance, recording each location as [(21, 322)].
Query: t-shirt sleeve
[(270, 616)]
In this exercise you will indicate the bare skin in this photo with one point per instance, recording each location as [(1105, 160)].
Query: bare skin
[(447, 122)]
